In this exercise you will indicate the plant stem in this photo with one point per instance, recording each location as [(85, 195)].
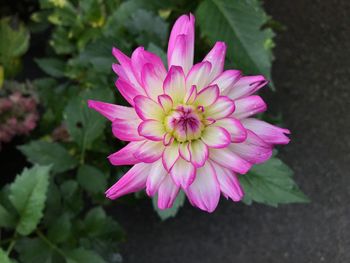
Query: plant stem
[(12, 244), (49, 243)]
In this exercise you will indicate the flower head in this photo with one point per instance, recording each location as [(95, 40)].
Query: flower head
[(188, 128)]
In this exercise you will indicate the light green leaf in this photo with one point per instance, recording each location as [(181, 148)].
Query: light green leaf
[(271, 183), (238, 23), (92, 179), (60, 230), (47, 153), (52, 66), (3, 257), (28, 195), (81, 255), (170, 212), (6, 219), (84, 124)]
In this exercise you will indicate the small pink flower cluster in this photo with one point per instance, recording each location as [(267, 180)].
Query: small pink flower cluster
[(18, 116)]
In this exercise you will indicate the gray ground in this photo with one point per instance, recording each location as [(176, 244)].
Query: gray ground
[(312, 74)]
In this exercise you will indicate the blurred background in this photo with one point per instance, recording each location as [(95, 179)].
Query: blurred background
[(56, 54)]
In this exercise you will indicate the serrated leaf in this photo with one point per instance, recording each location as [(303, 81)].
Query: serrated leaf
[(6, 218), (271, 183), (3, 257), (85, 125), (170, 212), (80, 255), (60, 230), (52, 66), (91, 179), (239, 24), (49, 153), (28, 195)]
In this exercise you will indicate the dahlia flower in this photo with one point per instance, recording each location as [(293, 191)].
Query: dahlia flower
[(189, 127)]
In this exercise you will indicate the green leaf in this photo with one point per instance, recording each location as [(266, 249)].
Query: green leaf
[(72, 197), (239, 24), (60, 230), (47, 153), (271, 183), (147, 27), (80, 255), (84, 124), (33, 250), (3, 257), (14, 39), (170, 212), (92, 179), (52, 66), (28, 195), (6, 218)]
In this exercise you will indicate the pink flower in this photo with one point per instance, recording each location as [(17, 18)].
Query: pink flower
[(188, 128)]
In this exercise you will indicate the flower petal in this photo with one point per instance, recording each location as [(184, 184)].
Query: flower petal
[(147, 108), (207, 96), (249, 106), (167, 193), (112, 111), (216, 57), (140, 57), (253, 149), (156, 176), (126, 130), (191, 95), (125, 156), (134, 180), (226, 80), (246, 86), (234, 127), (199, 152), (181, 43), (204, 192), (199, 76), (228, 181), (152, 129), (174, 84), (127, 90), (149, 152), (229, 159), (184, 151), (268, 132), (170, 155), (216, 137), (166, 102), (128, 71), (222, 108), (183, 173), (152, 81)]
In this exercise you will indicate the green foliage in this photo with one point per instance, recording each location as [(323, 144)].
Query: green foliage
[(92, 179), (271, 183), (170, 212), (49, 153), (14, 42), (3, 257), (239, 24), (28, 195), (6, 218)]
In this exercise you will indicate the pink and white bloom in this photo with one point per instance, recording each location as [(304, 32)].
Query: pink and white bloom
[(190, 127)]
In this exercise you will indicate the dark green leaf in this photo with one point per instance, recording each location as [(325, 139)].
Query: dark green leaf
[(28, 195), (52, 66), (47, 153), (81, 255), (271, 183), (238, 23), (92, 179), (171, 212), (33, 250), (72, 197), (60, 230), (6, 218), (84, 124)]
